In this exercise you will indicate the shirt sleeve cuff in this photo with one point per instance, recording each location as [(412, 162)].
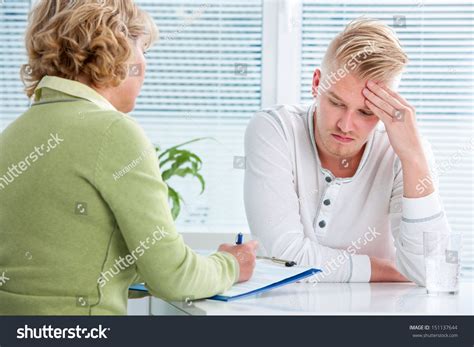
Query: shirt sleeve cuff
[(419, 208), (361, 270)]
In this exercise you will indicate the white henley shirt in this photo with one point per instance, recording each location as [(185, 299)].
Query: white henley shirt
[(300, 211)]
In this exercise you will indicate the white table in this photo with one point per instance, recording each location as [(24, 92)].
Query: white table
[(333, 299)]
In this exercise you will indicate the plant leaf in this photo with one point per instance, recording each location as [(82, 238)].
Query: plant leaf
[(185, 143), (175, 199), (175, 161)]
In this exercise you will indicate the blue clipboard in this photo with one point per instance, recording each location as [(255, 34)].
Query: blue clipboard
[(281, 283), (300, 276)]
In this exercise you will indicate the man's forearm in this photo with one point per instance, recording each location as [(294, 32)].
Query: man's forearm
[(383, 270), (416, 170)]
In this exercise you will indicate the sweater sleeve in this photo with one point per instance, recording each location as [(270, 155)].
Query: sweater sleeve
[(128, 177)]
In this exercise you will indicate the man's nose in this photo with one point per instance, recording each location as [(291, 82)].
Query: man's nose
[(346, 122)]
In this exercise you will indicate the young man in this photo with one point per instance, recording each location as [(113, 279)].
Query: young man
[(336, 184)]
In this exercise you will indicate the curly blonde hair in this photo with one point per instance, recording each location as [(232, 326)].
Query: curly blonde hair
[(89, 38)]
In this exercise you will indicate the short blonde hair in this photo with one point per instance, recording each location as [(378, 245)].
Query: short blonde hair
[(373, 47), (90, 38)]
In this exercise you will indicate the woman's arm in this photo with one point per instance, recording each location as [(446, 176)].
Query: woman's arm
[(127, 176)]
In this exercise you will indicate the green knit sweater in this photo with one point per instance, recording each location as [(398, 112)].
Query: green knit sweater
[(84, 212)]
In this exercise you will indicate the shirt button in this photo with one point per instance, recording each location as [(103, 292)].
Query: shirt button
[(327, 202), (322, 224), (328, 179)]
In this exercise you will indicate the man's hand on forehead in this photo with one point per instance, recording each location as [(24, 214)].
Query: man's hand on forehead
[(397, 115)]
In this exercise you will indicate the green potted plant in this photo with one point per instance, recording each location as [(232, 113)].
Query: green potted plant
[(176, 161)]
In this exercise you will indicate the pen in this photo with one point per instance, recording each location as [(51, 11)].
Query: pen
[(288, 263), (240, 239)]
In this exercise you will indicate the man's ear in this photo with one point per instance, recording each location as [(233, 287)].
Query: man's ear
[(316, 81)]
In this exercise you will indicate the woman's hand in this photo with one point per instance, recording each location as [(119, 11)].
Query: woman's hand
[(245, 255)]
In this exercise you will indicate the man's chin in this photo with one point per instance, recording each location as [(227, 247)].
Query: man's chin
[(341, 150), (344, 153)]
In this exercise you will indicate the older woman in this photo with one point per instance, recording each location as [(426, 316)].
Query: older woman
[(74, 235)]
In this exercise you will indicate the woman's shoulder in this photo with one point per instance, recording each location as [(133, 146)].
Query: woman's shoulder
[(118, 128), (111, 121)]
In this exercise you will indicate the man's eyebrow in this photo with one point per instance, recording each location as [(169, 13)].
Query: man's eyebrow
[(335, 96)]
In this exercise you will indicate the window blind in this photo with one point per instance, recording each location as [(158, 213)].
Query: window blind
[(203, 80), (438, 82), (13, 19)]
